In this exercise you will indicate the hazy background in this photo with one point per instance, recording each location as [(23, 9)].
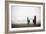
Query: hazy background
[(19, 14)]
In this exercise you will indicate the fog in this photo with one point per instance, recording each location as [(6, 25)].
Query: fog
[(19, 14)]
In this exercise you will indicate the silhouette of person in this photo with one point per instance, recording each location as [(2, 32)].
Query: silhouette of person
[(34, 20), (28, 21)]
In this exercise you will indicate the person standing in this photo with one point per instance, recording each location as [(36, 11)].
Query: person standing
[(34, 20), (28, 20)]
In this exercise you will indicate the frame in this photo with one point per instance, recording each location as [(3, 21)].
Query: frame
[(8, 6)]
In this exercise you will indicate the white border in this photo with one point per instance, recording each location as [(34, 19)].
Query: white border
[(27, 28)]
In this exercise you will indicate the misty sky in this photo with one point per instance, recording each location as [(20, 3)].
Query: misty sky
[(19, 14)]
